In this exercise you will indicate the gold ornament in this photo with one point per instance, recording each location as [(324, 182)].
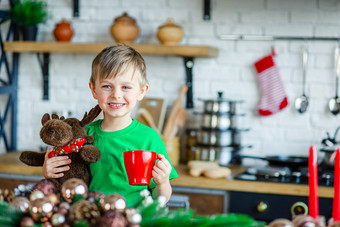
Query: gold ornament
[(84, 210), (41, 209), (36, 195), (58, 219), (113, 202), (22, 203), (73, 187)]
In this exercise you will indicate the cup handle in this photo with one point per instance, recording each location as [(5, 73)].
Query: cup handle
[(158, 157)]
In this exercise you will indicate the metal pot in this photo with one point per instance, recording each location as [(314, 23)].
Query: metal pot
[(218, 121), (221, 154), (329, 155), (219, 105), (214, 138)]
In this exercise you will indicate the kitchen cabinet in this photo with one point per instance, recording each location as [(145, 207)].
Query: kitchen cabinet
[(44, 49)]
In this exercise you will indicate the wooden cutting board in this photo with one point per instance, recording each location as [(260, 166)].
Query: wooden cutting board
[(157, 108)]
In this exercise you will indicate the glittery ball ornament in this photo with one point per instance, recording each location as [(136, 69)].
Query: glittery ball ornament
[(113, 202), (36, 195), (113, 219), (45, 186), (58, 219), (73, 187), (304, 221), (41, 209), (27, 221), (281, 222), (22, 203), (85, 211)]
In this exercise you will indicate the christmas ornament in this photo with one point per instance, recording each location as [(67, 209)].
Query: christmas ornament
[(58, 219), (23, 190), (113, 219), (45, 186), (133, 216), (85, 211), (64, 208), (334, 224), (72, 187), (95, 196), (36, 195), (6, 195), (113, 202), (53, 198), (273, 98), (281, 222), (22, 203), (41, 209), (304, 221), (26, 222)]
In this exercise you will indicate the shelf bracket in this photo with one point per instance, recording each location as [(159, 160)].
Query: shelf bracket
[(44, 62), (207, 10), (189, 64)]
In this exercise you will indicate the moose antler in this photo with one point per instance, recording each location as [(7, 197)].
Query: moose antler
[(88, 118), (47, 117)]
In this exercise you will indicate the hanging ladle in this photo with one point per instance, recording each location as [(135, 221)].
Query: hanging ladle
[(334, 103), (301, 103)]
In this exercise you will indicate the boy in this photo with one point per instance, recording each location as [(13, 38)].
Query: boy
[(118, 82)]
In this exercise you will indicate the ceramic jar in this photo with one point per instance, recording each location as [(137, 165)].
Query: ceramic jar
[(63, 31), (124, 29), (170, 33)]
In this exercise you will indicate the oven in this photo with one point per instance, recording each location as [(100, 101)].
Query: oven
[(268, 207)]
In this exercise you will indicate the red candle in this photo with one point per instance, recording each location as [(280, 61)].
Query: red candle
[(313, 200), (336, 199)]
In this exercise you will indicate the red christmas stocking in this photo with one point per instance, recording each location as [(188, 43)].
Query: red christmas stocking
[(273, 98)]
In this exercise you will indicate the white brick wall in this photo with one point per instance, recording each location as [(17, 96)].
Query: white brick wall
[(232, 71)]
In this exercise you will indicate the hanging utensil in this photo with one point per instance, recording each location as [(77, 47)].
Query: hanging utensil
[(334, 103), (301, 103)]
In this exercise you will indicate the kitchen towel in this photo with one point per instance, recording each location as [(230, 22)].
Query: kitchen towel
[(273, 97)]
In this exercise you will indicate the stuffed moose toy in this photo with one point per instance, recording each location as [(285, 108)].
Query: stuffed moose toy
[(68, 137)]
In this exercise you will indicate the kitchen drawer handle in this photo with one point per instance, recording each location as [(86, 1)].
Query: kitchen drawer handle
[(262, 207)]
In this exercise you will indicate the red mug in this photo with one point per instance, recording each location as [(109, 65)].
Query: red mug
[(139, 165)]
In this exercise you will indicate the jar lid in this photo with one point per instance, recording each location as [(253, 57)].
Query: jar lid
[(170, 23)]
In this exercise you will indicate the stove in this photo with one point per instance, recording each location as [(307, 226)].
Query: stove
[(298, 175)]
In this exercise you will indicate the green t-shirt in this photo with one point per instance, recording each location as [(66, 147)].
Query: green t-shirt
[(109, 174)]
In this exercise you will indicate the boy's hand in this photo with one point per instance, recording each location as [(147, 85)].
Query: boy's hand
[(53, 167), (161, 171)]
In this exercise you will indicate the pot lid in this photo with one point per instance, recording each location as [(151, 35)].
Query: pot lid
[(219, 99)]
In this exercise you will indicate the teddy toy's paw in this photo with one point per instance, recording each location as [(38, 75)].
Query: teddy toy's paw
[(32, 158), (89, 139), (90, 153)]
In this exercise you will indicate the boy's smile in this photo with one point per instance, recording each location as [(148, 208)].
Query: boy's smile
[(117, 96)]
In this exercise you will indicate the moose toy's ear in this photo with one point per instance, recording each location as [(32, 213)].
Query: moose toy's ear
[(45, 118)]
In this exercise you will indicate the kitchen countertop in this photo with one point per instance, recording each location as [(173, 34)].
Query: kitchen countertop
[(10, 163)]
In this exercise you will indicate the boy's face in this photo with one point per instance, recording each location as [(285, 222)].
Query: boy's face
[(117, 96)]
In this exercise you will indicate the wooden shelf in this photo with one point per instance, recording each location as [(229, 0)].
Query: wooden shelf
[(94, 48)]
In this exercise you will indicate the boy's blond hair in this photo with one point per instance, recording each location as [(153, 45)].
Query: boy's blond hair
[(116, 59)]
